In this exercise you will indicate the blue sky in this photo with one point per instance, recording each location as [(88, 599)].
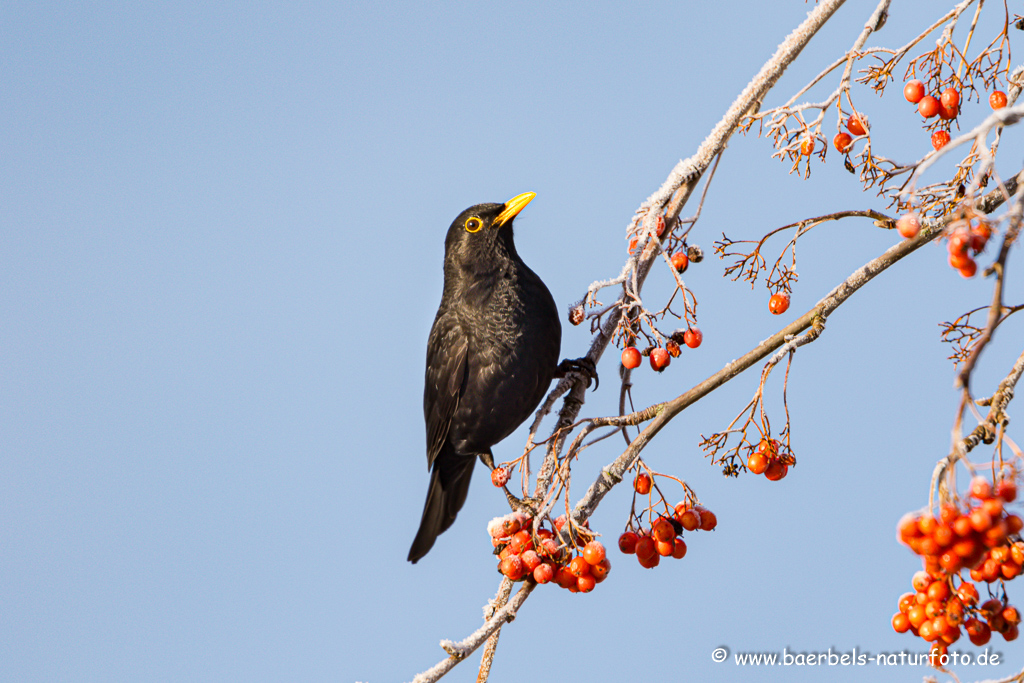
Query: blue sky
[(221, 236)]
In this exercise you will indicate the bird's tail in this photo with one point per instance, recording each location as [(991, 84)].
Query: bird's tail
[(449, 484)]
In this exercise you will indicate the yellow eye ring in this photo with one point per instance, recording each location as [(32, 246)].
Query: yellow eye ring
[(474, 224)]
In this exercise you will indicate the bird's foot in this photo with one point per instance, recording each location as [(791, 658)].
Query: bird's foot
[(583, 366), (527, 504)]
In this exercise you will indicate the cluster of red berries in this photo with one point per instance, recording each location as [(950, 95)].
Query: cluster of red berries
[(960, 242), (982, 538), (665, 536), (523, 553), (946, 106), (959, 539), (1001, 562), (661, 356), (767, 460), (936, 613)]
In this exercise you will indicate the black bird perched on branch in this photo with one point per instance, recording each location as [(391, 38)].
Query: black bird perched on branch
[(492, 353)]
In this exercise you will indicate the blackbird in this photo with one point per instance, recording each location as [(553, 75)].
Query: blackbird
[(492, 353)]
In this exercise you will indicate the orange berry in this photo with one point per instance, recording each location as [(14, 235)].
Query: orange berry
[(579, 566), (649, 562), (631, 357), (857, 124), (776, 470), (939, 590), (1006, 488), (663, 530), (512, 567), (708, 520), (600, 570), (680, 261), (980, 486), (660, 359), (908, 225), (642, 483), (679, 550), (928, 106), (690, 520), (900, 622), (940, 139), (997, 100), (757, 463), (913, 91), (842, 142), (778, 303), (585, 583), (627, 542), (594, 552), (645, 548), (543, 573), (665, 548)]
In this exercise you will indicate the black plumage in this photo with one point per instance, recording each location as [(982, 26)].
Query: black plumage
[(492, 353)]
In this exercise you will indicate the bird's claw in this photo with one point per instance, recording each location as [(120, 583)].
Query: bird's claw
[(583, 366)]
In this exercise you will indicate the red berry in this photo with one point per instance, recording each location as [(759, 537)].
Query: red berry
[(579, 566), (900, 622), (928, 106), (807, 146), (908, 225), (693, 337), (913, 91), (940, 139), (600, 570), (981, 488), (778, 303), (594, 552), (690, 520), (543, 573), (680, 261), (950, 98), (979, 237), (997, 100), (531, 559), (708, 519), (679, 550), (631, 357), (1007, 490), (776, 470), (650, 561), (645, 548), (947, 113), (660, 359), (757, 463), (857, 124), (499, 476), (627, 542), (642, 483), (663, 530), (512, 567), (968, 270), (842, 141), (564, 578)]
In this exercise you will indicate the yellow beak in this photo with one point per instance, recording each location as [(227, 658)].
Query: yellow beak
[(513, 207)]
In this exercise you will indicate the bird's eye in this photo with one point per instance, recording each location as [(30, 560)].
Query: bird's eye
[(474, 224)]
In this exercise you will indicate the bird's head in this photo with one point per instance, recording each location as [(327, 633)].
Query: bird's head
[(483, 232)]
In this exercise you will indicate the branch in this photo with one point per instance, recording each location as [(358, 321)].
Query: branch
[(461, 650), (815, 318)]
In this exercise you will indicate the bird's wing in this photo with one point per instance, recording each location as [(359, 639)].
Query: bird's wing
[(446, 376)]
